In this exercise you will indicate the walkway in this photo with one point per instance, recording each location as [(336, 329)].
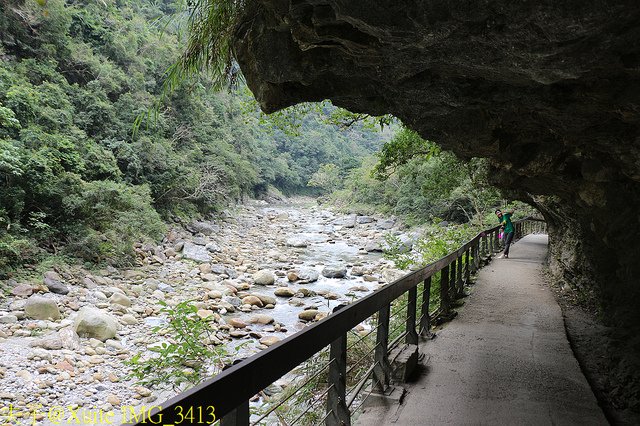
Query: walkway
[(504, 360)]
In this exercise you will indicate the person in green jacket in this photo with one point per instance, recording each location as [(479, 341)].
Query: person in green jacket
[(505, 221)]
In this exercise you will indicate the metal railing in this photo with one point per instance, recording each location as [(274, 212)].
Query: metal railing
[(226, 396)]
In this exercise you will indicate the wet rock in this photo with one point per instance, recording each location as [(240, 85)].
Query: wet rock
[(308, 314), (292, 276), (284, 292), (334, 272), (195, 252), (92, 322), (263, 277), (38, 307)]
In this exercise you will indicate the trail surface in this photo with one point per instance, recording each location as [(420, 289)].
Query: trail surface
[(504, 360)]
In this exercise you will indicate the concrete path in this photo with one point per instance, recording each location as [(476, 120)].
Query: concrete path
[(504, 360)]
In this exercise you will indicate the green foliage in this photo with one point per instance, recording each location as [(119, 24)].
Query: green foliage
[(434, 243), (74, 77), (185, 354), (327, 178)]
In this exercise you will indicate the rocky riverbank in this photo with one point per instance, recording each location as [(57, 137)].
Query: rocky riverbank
[(261, 275)]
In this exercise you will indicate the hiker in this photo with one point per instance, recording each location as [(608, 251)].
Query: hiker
[(505, 221)]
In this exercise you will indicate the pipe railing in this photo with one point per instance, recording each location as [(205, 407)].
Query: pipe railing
[(225, 397)]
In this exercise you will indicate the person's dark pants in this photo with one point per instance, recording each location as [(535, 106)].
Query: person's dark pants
[(507, 243)]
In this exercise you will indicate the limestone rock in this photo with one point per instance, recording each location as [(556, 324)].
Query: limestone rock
[(38, 307), (334, 272), (92, 322), (264, 277), (195, 252)]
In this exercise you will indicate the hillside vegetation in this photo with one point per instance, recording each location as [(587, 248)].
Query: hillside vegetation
[(76, 179)]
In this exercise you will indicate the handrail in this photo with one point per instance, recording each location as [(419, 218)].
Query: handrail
[(235, 386)]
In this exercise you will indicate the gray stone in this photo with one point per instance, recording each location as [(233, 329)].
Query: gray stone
[(8, 319), (195, 252), (297, 242), (92, 322), (308, 274), (263, 277), (334, 272), (69, 338), (364, 219), (205, 228), (55, 286), (346, 222), (38, 307)]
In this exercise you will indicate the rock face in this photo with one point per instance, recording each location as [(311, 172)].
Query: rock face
[(548, 91)]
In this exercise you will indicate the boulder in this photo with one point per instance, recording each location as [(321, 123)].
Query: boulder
[(195, 252), (22, 290), (95, 323), (334, 272), (54, 284), (263, 277), (38, 307), (308, 274), (120, 299), (364, 219)]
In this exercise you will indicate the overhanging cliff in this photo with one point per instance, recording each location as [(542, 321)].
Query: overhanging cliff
[(548, 91)]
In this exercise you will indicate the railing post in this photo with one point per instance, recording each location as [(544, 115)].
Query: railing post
[(382, 368), (444, 291), (459, 281), (238, 417), (412, 302), (476, 255), (337, 410), (425, 319), (452, 279), (467, 265)]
